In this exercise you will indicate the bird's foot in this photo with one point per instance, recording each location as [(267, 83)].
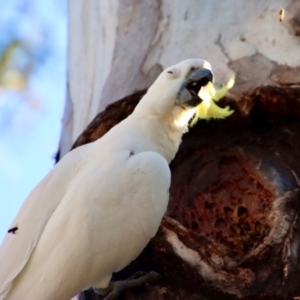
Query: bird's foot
[(115, 289)]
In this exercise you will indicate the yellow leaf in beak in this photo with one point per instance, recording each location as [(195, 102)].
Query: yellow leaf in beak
[(208, 109)]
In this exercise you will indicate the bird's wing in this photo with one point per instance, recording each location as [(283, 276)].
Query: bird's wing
[(114, 209), (125, 198), (149, 184), (103, 222), (32, 218)]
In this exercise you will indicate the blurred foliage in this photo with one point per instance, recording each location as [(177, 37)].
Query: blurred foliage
[(32, 33), (16, 65)]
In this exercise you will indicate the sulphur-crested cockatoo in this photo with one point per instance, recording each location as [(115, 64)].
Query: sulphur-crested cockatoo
[(100, 205)]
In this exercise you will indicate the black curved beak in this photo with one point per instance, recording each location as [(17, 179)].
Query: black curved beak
[(188, 94), (202, 76)]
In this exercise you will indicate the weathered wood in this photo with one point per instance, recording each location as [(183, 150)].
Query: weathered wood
[(112, 115), (118, 47), (234, 203)]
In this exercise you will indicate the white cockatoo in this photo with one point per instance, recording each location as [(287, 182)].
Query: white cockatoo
[(100, 205)]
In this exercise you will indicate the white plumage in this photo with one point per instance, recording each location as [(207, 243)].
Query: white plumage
[(102, 203)]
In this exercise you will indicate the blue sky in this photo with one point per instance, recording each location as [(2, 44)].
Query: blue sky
[(30, 118)]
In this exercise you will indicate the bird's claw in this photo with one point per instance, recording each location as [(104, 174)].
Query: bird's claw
[(115, 289)]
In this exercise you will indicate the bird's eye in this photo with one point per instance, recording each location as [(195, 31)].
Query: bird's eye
[(172, 73)]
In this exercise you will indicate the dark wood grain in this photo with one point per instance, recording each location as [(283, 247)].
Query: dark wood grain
[(234, 201)]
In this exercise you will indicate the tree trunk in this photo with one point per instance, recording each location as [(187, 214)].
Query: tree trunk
[(232, 227), (118, 47)]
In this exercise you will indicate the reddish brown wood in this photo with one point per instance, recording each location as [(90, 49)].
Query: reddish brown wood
[(234, 203)]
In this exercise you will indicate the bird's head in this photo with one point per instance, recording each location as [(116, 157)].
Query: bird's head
[(196, 74), (178, 87), (183, 91)]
